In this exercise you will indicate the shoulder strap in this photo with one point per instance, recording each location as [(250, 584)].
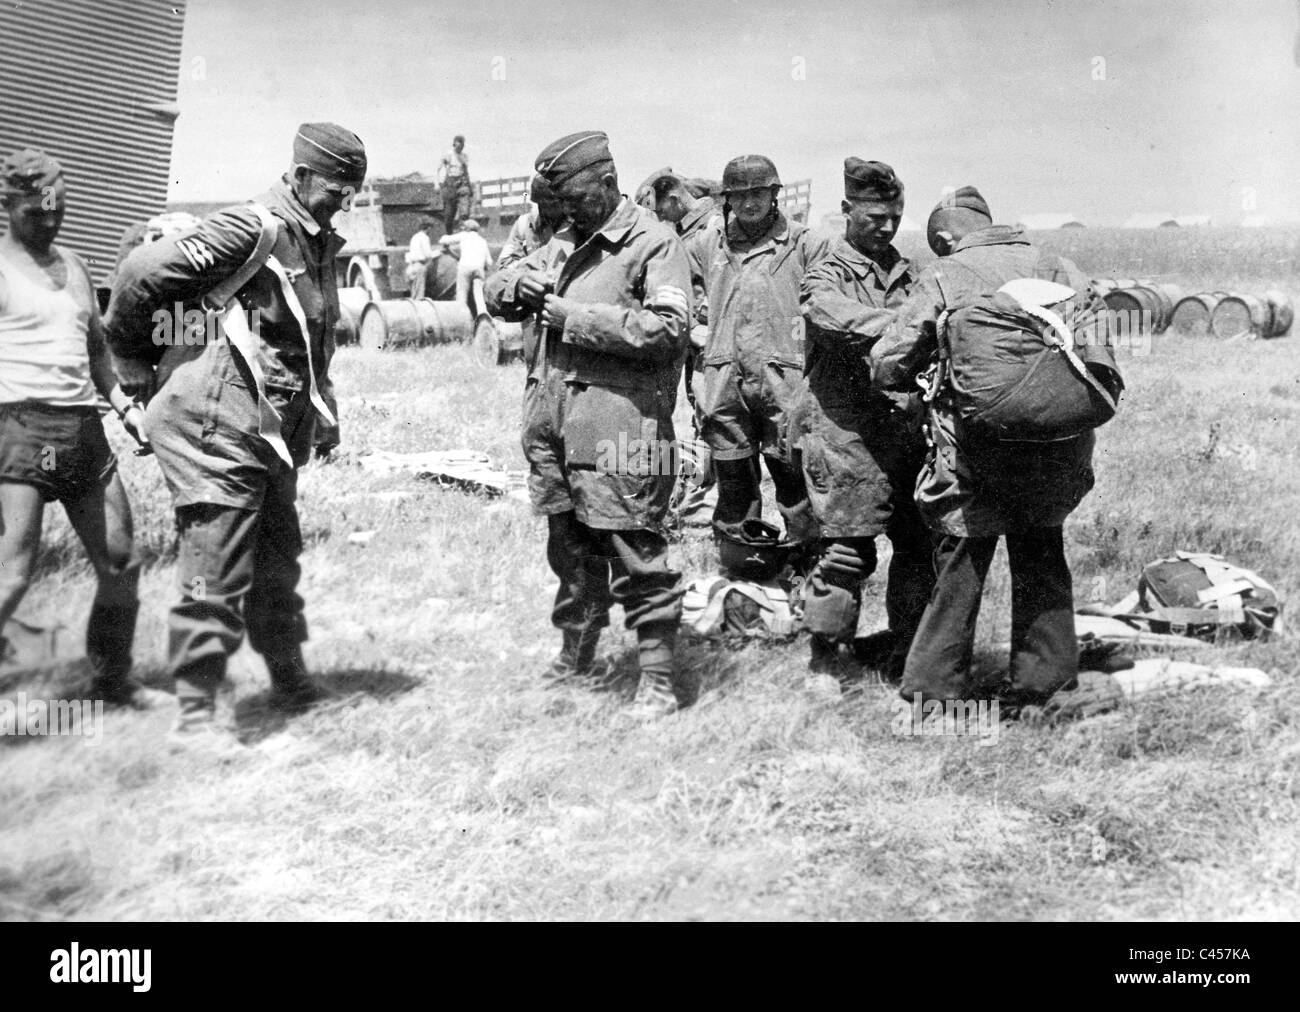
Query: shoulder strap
[(218, 297)]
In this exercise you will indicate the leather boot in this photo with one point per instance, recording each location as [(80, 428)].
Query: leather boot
[(656, 694), (576, 660), (110, 633), (292, 689)]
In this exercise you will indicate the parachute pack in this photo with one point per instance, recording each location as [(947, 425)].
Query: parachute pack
[(754, 608), (1204, 595), (1027, 362)]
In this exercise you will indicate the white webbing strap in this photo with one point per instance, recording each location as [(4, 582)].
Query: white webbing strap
[(1034, 295), (235, 327)]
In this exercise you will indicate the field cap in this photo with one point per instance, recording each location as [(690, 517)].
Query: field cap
[(29, 171), (967, 197), (572, 153), (331, 150), (865, 180)]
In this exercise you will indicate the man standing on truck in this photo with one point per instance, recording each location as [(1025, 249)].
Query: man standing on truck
[(453, 176), (233, 418)]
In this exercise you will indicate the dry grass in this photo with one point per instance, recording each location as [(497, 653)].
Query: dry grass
[(446, 785)]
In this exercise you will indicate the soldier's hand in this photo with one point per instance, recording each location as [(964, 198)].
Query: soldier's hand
[(556, 310), (133, 422), (532, 289), (135, 376)]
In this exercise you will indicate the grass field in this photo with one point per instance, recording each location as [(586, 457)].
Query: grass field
[(446, 784)]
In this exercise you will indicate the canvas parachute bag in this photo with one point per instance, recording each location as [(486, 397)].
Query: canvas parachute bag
[(1204, 595), (752, 608), (1021, 362)]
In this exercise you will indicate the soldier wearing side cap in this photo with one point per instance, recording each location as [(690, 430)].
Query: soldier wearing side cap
[(975, 486), (232, 419), (752, 261), (673, 202), (598, 409), (533, 230), (670, 198), (861, 451)]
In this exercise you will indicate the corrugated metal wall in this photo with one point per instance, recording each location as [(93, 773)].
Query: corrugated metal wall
[(93, 83)]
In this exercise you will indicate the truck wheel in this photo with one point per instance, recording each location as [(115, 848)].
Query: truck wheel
[(486, 343)]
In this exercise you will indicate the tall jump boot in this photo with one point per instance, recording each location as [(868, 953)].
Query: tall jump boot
[(576, 660), (656, 694)]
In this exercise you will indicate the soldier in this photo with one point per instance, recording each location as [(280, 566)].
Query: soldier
[(751, 261), (667, 194), (975, 487), (672, 200), (533, 230), (861, 451), (598, 408), (453, 177), (234, 414), (54, 365)]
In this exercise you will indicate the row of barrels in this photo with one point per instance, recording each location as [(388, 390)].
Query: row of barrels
[(1156, 307), (397, 323), (414, 323)]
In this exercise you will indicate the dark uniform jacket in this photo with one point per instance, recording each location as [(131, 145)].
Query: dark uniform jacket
[(859, 447), (972, 484), (203, 420), (611, 374)]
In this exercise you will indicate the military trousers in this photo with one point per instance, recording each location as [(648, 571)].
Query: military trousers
[(833, 596), (238, 571), (1044, 651), (598, 568)]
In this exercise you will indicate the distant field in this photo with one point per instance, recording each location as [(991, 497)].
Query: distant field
[(447, 785)]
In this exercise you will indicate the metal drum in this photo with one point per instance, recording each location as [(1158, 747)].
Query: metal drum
[(412, 323)]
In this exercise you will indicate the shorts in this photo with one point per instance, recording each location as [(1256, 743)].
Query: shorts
[(60, 451)]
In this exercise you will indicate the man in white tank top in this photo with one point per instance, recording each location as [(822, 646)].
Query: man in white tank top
[(53, 361)]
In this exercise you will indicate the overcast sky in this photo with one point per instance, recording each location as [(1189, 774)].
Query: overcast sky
[(1097, 108)]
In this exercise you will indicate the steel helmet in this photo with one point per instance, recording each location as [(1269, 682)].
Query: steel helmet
[(749, 172)]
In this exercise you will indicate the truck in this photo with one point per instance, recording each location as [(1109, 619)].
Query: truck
[(386, 212)]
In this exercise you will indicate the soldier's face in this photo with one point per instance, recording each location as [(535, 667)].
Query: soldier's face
[(324, 197), (588, 199), (35, 218), (871, 224), (750, 207), (550, 208), (670, 208)]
